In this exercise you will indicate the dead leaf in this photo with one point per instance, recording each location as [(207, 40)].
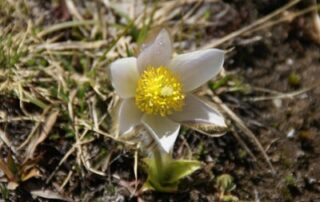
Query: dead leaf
[(42, 134), (48, 194), (4, 138), (12, 165), (34, 172), (12, 185), (207, 128), (6, 170)]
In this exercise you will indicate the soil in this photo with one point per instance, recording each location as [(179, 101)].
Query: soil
[(283, 58)]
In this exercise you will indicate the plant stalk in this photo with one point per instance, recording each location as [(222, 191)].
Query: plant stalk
[(158, 158)]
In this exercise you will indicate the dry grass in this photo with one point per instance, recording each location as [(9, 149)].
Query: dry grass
[(56, 60)]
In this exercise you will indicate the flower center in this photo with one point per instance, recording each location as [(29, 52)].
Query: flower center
[(159, 92)]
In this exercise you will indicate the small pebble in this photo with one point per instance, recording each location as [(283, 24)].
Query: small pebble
[(291, 133), (277, 103)]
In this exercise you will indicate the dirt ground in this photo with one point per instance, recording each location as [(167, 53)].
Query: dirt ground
[(271, 83)]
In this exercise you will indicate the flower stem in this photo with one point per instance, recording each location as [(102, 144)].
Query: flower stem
[(158, 161)]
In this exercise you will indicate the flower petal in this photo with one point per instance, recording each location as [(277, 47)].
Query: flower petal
[(200, 115), (196, 68), (124, 76), (129, 116), (163, 130), (158, 53)]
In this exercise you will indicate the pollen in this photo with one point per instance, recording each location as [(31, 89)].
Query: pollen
[(159, 92)]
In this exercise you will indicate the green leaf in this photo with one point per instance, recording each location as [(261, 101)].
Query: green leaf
[(220, 83), (167, 178), (153, 185), (229, 198), (179, 169), (225, 182), (143, 34)]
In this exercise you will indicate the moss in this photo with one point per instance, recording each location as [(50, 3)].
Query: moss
[(294, 79)]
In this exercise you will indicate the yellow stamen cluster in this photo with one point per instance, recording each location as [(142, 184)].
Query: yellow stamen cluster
[(159, 92)]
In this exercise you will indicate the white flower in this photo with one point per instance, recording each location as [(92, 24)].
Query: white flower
[(156, 89)]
